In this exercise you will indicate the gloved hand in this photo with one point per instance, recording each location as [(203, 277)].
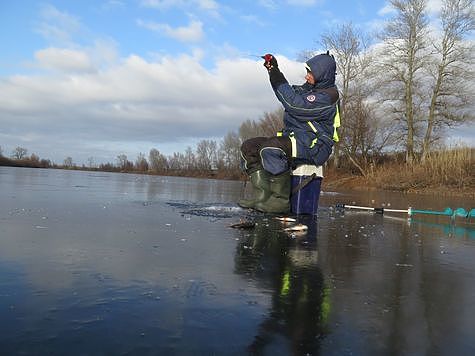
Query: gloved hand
[(270, 61), (275, 75)]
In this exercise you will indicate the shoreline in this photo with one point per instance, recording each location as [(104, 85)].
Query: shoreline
[(358, 183)]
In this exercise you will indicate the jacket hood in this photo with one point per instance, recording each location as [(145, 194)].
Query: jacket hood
[(323, 67)]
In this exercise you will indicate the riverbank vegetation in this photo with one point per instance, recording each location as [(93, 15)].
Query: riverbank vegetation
[(447, 170)]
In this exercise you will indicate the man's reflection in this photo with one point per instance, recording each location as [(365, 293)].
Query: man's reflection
[(288, 266)]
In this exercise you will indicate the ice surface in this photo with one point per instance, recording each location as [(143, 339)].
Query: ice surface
[(103, 263)]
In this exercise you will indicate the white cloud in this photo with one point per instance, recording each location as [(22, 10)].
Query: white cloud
[(160, 4), (303, 2), (207, 4), (386, 10), (150, 103), (434, 6), (103, 52), (375, 26), (191, 33), (269, 4), (63, 59), (210, 6), (57, 26), (463, 135), (253, 19), (274, 4), (113, 4)]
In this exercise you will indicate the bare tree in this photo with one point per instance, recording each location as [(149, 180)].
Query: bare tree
[(45, 163), (359, 138), (451, 71), (141, 163), (1, 151), (176, 161), (266, 126), (122, 160), (158, 162), (90, 162), (230, 150), (19, 153), (68, 162), (401, 60), (367, 134), (123, 163), (249, 129), (272, 122), (34, 158), (348, 46), (213, 153), (189, 159), (206, 154)]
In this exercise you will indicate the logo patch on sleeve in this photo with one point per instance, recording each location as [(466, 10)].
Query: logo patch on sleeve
[(311, 98)]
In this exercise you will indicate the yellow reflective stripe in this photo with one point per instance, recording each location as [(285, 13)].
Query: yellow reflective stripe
[(312, 127), (292, 141), (325, 307), (336, 125), (336, 121), (294, 145), (314, 142), (285, 284)]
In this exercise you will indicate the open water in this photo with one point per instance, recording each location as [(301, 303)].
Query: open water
[(96, 263)]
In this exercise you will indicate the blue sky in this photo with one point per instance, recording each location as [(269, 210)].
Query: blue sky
[(147, 27), (101, 78)]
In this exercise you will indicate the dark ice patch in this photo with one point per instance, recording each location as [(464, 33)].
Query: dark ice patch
[(218, 210)]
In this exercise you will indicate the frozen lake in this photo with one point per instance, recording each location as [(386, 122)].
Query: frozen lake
[(95, 263)]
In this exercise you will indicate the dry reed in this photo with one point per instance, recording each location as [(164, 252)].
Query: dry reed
[(444, 168)]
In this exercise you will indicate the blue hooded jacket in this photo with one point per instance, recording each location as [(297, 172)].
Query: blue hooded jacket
[(310, 109)]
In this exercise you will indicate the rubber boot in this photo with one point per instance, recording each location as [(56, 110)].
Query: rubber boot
[(260, 184), (279, 198)]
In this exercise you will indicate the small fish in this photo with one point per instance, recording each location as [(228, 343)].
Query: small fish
[(286, 219), (404, 265), (295, 228), (243, 225)]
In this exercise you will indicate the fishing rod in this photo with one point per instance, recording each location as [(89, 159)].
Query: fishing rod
[(459, 212), (247, 54)]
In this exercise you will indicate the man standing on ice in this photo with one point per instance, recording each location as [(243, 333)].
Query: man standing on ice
[(311, 119)]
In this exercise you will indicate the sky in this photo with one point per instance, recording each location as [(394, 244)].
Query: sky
[(98, 78)]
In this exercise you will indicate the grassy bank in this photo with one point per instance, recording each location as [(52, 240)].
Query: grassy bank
[(450, 171)]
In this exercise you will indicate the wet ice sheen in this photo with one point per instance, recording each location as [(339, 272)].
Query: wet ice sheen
[(99, 263)]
